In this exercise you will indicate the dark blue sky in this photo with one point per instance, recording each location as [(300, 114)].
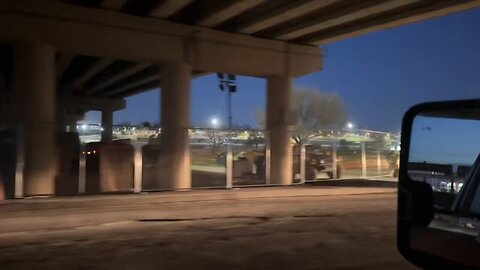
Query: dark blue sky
[(444, 140), (378, 75)]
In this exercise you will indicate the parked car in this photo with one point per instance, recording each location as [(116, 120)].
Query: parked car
[(318, 159)]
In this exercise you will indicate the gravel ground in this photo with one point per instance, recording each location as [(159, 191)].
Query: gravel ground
[(355, 230)]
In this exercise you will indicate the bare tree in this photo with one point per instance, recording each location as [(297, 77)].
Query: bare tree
[(313, 111)]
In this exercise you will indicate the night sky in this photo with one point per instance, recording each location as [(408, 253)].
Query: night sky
[(444, 140), (378, 75)]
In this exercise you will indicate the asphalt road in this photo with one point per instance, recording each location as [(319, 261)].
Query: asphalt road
[(262, 228)]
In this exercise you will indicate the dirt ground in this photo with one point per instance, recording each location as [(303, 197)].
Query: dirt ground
[(265, 228)]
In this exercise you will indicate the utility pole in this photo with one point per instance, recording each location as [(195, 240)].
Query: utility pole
[(227, 82)]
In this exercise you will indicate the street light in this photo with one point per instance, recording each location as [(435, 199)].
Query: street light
[(214, 122), (349, 125)]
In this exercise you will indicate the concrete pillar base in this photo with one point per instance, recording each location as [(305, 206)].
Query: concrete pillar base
[(281, 156), (175, 170)]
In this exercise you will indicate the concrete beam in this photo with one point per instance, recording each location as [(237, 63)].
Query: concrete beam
[(119, 76), (98, 66), (293, 10), (441, 8), (149, 85), (169, 7), (139, 89), (334, 19), (126, 87), (116, 35), (78, 103), (225, 12), (113, 4), (254, 61), (63, 62)]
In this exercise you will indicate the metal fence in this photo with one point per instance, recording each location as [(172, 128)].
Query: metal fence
[(240, 158), (218, 159)]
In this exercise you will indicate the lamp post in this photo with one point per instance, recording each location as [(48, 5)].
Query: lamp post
[(227, 82), (214, 121)]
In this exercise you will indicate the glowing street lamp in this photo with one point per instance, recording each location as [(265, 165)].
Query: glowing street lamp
[(214, 122), (350, 125)]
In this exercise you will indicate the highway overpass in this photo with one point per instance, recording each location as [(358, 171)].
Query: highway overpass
[(62, 58)]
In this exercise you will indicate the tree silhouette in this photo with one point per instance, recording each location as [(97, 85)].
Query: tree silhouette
[(146, 124), (312, 112)]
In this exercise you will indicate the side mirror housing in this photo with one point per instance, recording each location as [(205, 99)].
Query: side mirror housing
[(439, 185)]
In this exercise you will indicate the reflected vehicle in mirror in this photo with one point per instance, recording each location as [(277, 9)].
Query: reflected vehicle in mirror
[(439, 195)]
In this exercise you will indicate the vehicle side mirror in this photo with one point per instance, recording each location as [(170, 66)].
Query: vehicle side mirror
[(439, 185)]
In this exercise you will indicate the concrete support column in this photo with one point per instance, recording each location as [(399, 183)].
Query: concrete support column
[(379, 163), (334, 161), (34, 90), (364, 159), (61, 119), (71, 122), (107, 125), (279, 97), (175, 115), (303, 163)]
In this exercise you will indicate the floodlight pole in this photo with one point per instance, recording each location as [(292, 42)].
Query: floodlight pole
[(227, 82), (229, 104)]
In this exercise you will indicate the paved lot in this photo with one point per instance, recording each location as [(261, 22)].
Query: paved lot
[(263, 228)]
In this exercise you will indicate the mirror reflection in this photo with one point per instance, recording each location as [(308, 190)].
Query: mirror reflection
[(445, 153)]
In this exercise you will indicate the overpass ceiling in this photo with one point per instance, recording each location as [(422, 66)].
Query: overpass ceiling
[(306, 22), (310, 22)]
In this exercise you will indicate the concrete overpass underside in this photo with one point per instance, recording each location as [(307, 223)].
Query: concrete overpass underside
[(59, 59)]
